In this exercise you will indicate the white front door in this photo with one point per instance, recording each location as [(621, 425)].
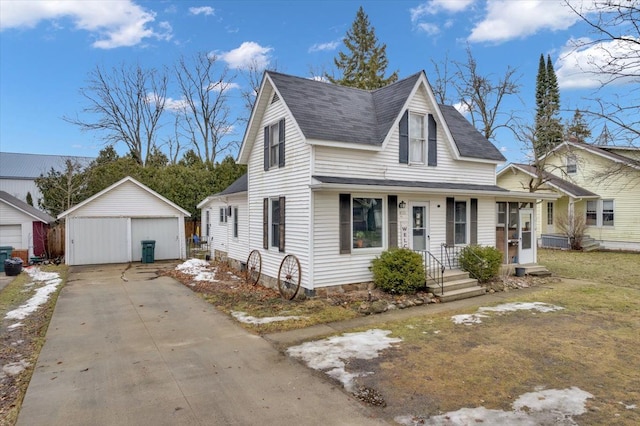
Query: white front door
[(419, 239), (526, 237)]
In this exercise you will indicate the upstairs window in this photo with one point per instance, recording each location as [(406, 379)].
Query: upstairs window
[(572, 165), (274, 145), (417, 140)]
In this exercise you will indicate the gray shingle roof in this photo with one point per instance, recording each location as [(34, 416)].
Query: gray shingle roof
[(21, 205), (469, 141), (332, 112), (239, 185), (30, 166), (408, 184), (561, 184)]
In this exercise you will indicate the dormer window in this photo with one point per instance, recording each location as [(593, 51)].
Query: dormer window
[(572, 164)]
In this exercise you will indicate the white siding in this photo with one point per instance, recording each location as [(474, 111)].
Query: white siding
[(291, 182), (238, 248), (20, 237), (20, 187), (218, 229), (385, 165)]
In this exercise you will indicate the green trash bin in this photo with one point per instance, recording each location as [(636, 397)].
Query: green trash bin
[(5, 253), (148, 251)]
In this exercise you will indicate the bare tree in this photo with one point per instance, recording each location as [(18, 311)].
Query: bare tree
[(615, 25), (206, 116), (62, 189), (479, 95), (127, 105), (252, 75)]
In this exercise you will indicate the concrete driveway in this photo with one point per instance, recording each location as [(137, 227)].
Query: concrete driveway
[(126, 347)]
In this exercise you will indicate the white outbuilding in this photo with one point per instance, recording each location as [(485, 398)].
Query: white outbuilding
[(109, 227)]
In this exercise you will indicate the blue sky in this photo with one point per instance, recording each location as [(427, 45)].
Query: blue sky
[(48, 48)]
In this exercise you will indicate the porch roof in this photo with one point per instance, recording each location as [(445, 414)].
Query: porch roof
[(562, 185), (364, 184)]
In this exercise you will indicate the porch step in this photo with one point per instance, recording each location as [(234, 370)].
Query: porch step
[(535, 270), (589, 244), (457, 285)]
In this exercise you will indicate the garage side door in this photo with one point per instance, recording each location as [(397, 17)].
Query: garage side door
[(11, 235), (163, 230), (98, 240)]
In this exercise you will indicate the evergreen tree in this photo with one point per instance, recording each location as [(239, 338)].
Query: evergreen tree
[(549, 131), (577, 128), (365, 63), (29, 198)]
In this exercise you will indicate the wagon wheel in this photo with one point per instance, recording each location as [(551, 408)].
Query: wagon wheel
[(254, 267), (289, 277)]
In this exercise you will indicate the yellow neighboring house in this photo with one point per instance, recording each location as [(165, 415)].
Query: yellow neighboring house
[(597, 185)]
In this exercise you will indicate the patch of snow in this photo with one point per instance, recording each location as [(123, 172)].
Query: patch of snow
[(522, 306), (199, 269), (16, 325), (551, 406), (469, 319), (14, 368), (51, 282), (628, 407), (329, 355), (248, 319)]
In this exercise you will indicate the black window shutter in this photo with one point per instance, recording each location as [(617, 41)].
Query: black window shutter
[(266, 148), (392, 207), (265, 223), (404, 138), (281, 144), (281, 225), (474, 221), (433, 142), (450, 235), (345, 223)]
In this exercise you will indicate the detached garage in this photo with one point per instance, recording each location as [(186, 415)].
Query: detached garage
[(22, 226), (110, 226)]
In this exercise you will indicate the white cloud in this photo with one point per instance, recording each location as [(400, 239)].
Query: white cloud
[(429, 28), (319, 47), (219, 86), (115, 24), (507, 20), (204, 10), (436, 6), (248, 54), (585, 64)]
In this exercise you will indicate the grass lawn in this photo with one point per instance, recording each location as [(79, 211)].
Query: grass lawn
[(592, 343)]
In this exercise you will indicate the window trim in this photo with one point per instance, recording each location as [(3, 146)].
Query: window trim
[(613, 213), (383, 219), (572, 165)]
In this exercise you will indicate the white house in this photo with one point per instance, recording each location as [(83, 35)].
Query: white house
[(336, 175), (22, 226), (109, 226)]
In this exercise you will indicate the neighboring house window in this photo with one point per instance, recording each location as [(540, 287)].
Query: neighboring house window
[(223, 215), (367, 222), (592, 213), (235, 222), (572, 164), (549, 213), (274, 145), (607, 212), (273, 223), (460, 222), (417, 140), (207, 219)]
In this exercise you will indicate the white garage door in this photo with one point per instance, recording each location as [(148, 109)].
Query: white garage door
[(11, 235), (98, 240), (164, 231)]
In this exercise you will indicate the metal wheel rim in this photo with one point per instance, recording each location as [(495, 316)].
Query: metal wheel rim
[(289, 277), (254, 267)]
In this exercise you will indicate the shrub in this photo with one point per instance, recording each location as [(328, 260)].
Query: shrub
[(398, 271), (482, 263)]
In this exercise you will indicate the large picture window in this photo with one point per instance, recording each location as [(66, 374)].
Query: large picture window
[(367, 222)]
